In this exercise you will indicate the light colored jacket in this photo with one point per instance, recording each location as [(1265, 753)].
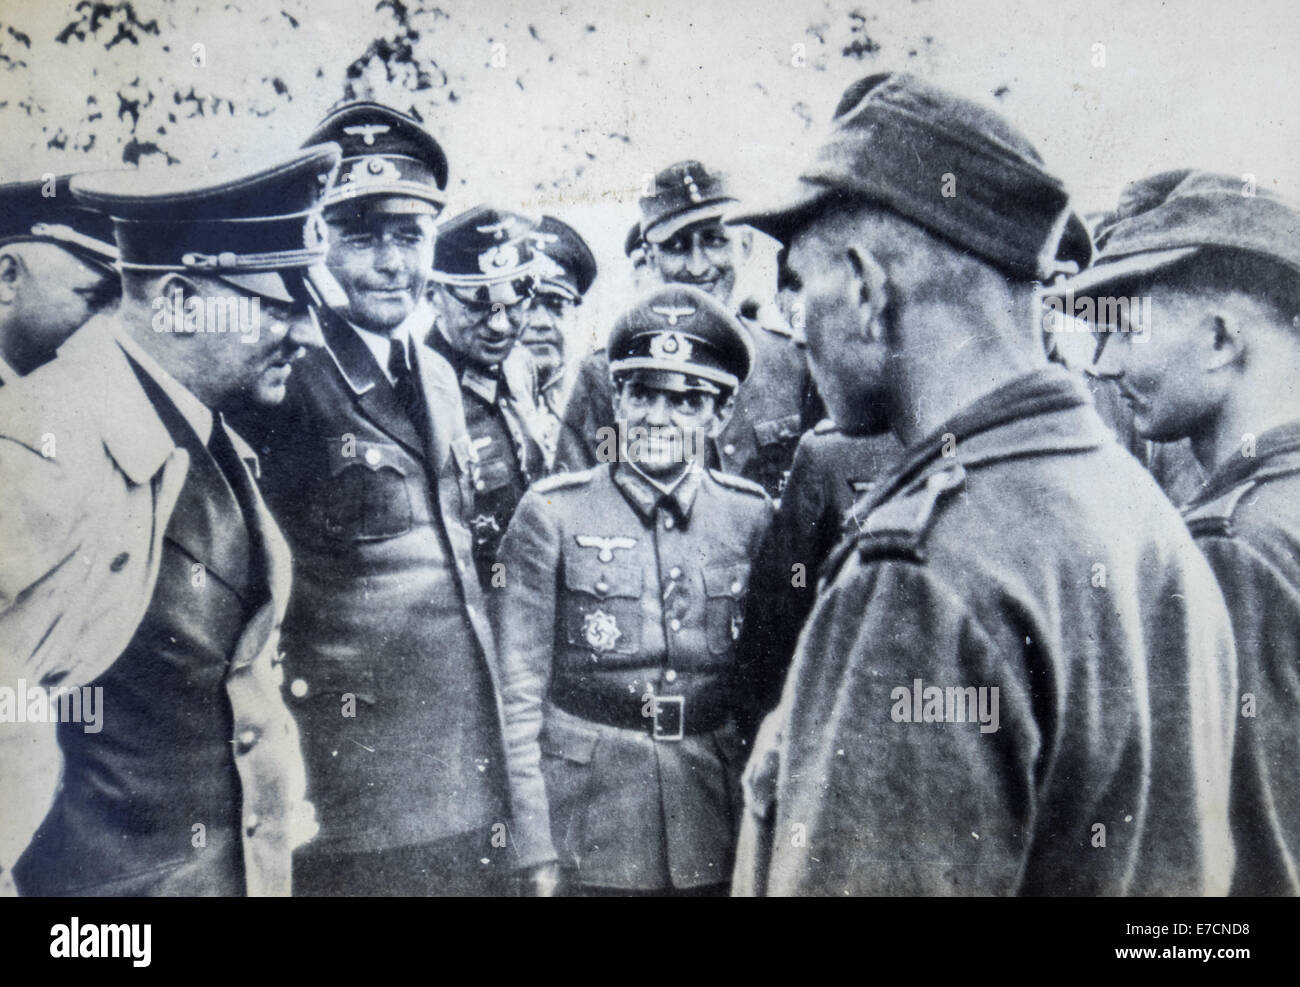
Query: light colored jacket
[(90, 477)]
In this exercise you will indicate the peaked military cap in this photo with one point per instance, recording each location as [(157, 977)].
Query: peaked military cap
[(390, 162), (901, 142), (685, 339), (489, 250), (685, 193), (45, 212), (1166, 217), (245, 229), (572, 267)]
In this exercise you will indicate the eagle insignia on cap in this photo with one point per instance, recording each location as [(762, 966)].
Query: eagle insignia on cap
[(367, 131), (672, 312), (601, 629), (671, 346), (496, 258)]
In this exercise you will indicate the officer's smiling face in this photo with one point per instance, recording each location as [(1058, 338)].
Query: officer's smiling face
[(837, 290), (703, 255), (663, 430), (1166, 373), (382, 263)]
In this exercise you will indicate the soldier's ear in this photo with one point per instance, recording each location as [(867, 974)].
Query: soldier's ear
[(746, 237), (869, 287), (11, 272), (722, 413), (1229, 346)]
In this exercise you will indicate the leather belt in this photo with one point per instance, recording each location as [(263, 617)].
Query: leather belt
[(665, 718)]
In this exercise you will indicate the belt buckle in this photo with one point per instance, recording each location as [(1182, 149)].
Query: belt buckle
[(670, 717)]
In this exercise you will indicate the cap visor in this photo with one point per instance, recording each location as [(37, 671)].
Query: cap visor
[(671, 380), (268, 284), (781, 217), (667, 228), (1111, 273)]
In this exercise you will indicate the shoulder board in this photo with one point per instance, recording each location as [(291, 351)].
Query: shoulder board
[(738, 483), (825, 427), (1214, 517), (899, 525), (559, 481)]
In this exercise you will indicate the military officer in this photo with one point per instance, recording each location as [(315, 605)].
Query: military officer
[(687, 242), (141, 568), (567, 275), (617, 625), (1217, 365), (56, 271), (485, 275), (1019, 676), (369, 468)]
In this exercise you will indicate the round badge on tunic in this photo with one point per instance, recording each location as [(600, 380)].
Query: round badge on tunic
[(602, 630)]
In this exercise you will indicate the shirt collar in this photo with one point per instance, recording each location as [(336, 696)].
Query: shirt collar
[(380, 345), (1282, 442), (646, 495), (196, 414), (487, 384)]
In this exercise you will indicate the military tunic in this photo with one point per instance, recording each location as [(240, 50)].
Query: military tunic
[(617, 629), (1041, 560), (1247, 522)]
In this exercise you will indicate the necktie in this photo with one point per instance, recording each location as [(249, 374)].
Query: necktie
[(408, 395)]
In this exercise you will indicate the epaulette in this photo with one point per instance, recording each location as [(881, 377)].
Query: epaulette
[(559, 481), (825, 427), (1214, 517), (738, 483), (898, 526)]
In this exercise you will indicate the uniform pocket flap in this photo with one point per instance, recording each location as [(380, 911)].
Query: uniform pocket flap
[(569, 741), (603, 580), (726, 580), (777, 430)]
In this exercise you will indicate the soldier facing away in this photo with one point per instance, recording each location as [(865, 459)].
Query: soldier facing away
[(1018, 677)]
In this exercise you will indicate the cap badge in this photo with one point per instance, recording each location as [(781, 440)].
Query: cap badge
[(671, 346), (367, 131), (672, 313), (601, 630), (373, 170), (498, 258), (692, 189), (499, 230)]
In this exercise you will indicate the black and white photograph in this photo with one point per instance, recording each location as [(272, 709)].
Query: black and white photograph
[(681, 449)]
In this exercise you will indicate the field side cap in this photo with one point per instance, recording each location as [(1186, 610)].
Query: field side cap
[(248, 223), (1164, 218), (390, 163), (903, 143), (680, 329), (685, 193)]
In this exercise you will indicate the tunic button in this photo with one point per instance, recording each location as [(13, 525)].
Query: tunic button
[(735, 586), (298, 687), (729, 449), (675, 624), (674, 573), (250, 823), (372, 457), (670, 675), (602, 586), (668, 522), (479, 484), (119, 563), (246, 741)]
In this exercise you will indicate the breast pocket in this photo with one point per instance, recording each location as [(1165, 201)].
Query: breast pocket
[(367, 496), (724, 594), (602, 604)]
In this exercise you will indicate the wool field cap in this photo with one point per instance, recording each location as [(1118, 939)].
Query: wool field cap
[(44, 211), (681, 338), (390, 163), (902, 142), (247, 229), (686, 192), (1164, 218)]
